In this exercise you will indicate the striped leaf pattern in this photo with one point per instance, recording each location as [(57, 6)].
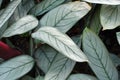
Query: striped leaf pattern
[(110, 17), (23, 25), (61, 42), (16, 67), (98, 56), (65, 16), (60, 68), (55, 65), (108, 2), (45, 6), (44, 57), (8, 11)]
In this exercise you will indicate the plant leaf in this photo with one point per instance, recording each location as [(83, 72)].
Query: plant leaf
[(118, 36), (60, 68), (60, 42), (115, 59), (65, 16), (109, 16), (108, 2), (45, 6), (95, 24), (0, 2), (27, 78), (45, 54), (98, 56), (44, 57), (16, 67), (8, 12), (28, 4), (81, 77), (23, 25), (39, 78)]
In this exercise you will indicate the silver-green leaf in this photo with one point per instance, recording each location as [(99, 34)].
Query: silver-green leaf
[(115, 59), (81, 77), (16, 67), (46, 54), (118, 36), (44, 57), (98, 56), (45, 6), (65, 16), (60, 68), (108, 2), (110, 16), (8, 11), (61, 42), (23, 25)]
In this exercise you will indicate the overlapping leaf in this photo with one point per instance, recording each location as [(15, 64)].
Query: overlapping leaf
[(95, 24), (115, 59), (65, 16), (39, 78), (46, 54), (110, 17), (0, 2), (60, 42), (21, 26), (44, 57), (57, 66), (16, 67), (8, 12), (118, 36), (81, 77), (60, 68), (45, 6), (98, 57), (109, 2)]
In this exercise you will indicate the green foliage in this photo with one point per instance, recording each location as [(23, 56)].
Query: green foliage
[(58, 50)]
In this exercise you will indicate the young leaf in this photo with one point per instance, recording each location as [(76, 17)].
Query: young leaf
[(65, 16), (8, 12), (109, 2), (45, 6), (60, 68), (118, 36), (16, 67), (23, 25), (98, 57), (110, 17), (60, 42), (81, 77)]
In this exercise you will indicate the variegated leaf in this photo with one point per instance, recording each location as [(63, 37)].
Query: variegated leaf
[(23, 25), (65, 16), (8, 11), (45, 6), (108, 2), (16, 67), (81, 77), (60, 42), (110, 16), (98, 56)]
